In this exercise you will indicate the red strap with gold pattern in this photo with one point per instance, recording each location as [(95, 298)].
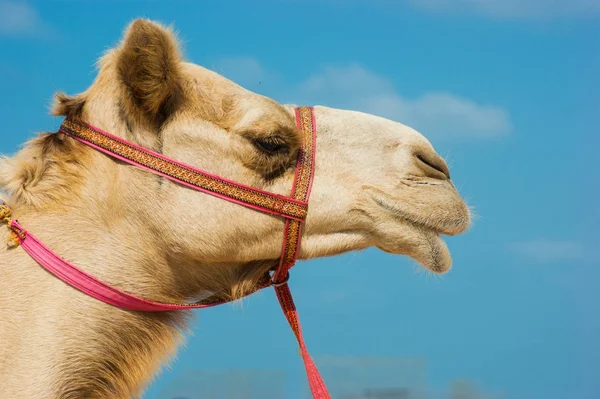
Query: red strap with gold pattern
[(305, 119), (184, 174)]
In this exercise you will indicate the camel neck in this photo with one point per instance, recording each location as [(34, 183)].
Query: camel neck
[(84, 339)]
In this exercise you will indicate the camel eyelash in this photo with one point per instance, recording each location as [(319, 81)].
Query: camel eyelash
[(271, 145)]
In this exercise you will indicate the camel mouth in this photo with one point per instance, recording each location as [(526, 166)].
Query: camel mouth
[(416, 228)]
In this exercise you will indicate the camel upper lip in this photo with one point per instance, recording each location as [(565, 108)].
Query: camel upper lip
[(444, 226), (390, 207)]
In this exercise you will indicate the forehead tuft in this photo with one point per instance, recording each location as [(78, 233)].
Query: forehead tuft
[(267, 119)]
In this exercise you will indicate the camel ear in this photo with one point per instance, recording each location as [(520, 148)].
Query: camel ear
[(148, 64)]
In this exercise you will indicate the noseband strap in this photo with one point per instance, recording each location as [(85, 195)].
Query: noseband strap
[(293, 208)]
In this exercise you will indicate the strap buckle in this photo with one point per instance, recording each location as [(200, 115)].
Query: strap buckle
[(282, 282)]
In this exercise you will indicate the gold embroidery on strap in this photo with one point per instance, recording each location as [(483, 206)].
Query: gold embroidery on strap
[(305, 174), (213, 184), (293, 229)]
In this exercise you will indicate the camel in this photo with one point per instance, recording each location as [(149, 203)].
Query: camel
[(377, 183)]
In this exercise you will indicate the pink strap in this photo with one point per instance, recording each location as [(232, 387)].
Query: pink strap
[(315, 381), (89, 284)]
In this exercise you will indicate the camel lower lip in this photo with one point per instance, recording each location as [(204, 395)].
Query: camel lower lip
[(426, 247), (431, 251)]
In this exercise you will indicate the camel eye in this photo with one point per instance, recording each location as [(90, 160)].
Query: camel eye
[(271, 145)]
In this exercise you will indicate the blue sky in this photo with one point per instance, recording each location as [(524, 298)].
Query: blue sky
[(506, 90)]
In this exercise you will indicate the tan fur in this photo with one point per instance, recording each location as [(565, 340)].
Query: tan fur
[(378, 183), (68, 106), (45, 172)]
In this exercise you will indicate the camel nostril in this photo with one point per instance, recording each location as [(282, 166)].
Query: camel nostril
[(433, 165)]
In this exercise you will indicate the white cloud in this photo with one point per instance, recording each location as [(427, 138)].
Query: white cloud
[(544, 250), (435, 114), (512, 8), (18, 18)]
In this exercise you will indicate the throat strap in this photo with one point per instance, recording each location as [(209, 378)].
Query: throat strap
[(106, 293)]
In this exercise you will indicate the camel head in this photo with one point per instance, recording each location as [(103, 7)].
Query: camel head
[(377, 182)]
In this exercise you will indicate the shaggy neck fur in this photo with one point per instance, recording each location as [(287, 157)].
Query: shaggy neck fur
[(113, 353)]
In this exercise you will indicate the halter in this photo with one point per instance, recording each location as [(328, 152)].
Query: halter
[(293, 208)]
